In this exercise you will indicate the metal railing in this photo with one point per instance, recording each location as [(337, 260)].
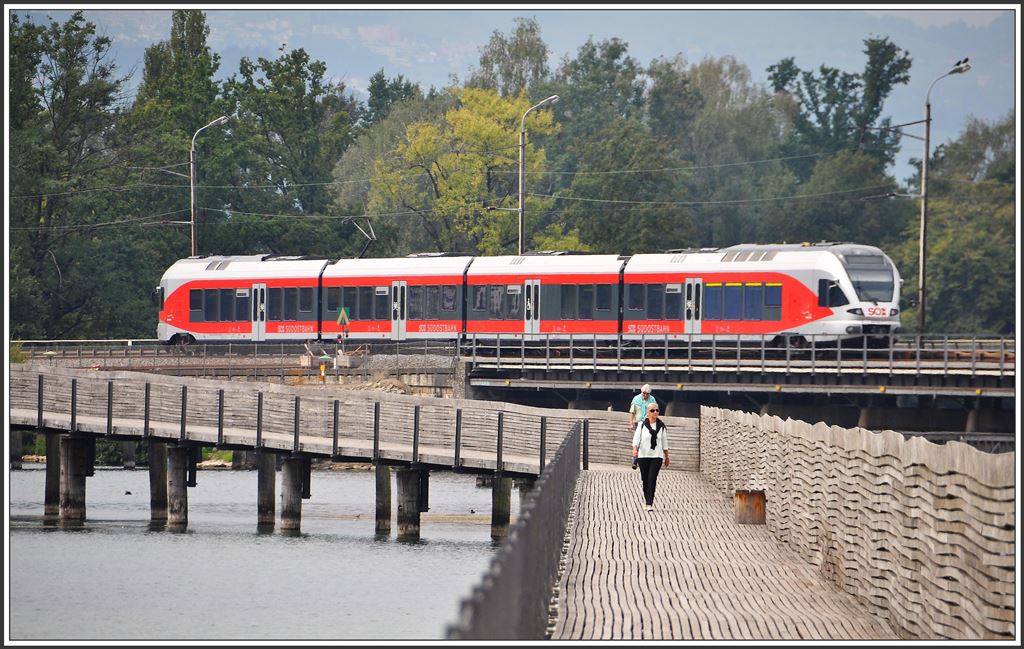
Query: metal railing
[(932, 353), (511, 602)]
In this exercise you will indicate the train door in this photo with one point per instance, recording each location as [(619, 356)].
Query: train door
[(258, 301), (399, 290), (531, 312), (692, 306)]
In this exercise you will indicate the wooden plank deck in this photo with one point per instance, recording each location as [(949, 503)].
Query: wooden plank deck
[(686, 571)]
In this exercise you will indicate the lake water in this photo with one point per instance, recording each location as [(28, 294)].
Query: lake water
[(116, 579)]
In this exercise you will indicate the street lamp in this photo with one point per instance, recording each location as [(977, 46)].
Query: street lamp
[(522, 167), (192, 164), (959, 67)]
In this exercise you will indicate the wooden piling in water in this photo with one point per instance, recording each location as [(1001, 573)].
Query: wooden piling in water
[(291, 493), (74, 456), (266, 488), (501, 506), (157, 481), (51, 500), (177, 489), (383, 508), (408, 483)]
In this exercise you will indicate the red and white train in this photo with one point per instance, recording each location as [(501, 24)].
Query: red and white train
[(831, 290)]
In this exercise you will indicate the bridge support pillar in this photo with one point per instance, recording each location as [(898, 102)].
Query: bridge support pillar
[(383, 508), (525, 487), (51, 501), (15, 455), (157, 481), (501, 506), (128, 454), (74, 467), (245, 460), (292, 470), (177, 486), (266, 488), (409, 482)]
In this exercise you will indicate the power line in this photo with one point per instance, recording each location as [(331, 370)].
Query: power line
[(730, 202), (136, 220)]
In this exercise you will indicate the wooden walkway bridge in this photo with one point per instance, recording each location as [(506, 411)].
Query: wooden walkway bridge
[(687, 571)]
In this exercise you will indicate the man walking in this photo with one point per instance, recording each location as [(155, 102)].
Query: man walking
[(638, 406)]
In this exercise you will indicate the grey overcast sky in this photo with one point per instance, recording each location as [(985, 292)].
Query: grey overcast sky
[(431, 44)]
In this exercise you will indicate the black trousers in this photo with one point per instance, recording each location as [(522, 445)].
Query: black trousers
[(649, 469)]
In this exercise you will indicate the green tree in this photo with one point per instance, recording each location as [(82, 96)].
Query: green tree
[(513, 64), (441, 178), (841, 110), (61, 142), (385, 93), (291, 125), (625, 201), (971, 234)]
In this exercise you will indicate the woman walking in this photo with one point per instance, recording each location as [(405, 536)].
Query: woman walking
[(650, 444)]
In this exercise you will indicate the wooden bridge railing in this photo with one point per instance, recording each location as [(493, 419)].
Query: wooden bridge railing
[(511, 602), (924, 534), (318, 421)]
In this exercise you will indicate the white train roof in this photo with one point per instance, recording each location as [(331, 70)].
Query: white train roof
[(413, 266), (244, 267), (545, 264), (754, 257)]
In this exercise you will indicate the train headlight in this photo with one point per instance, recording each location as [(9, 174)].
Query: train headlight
[(853, 329), (857, 311), (894, 312)]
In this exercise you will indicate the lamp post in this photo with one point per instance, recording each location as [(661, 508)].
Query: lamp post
[(522, 168), (959, 67), (192, 176)]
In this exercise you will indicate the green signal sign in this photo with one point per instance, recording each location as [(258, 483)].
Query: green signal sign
[(343, 315)]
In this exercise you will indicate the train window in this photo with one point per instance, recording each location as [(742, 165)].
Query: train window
[(773, 301), (448, 298), (696, 302), (211, 305), (513, 302), (655, 301), (333, 298), (273, 304), (480, 298), (381, 304), (306, 300), (569, 301), (673, 305), (495, 298), (753, 294), (830, 294), (416, 302), (733, 302), (433, 305), (195, 305), (350, 300), (291, 304), (586, 303), (712, 301), (689, 301), (242, 305), (604, 297), (636, 297), (227, 304), (365, 303)]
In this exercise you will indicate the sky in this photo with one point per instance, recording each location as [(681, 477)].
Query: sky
[(434, 44)]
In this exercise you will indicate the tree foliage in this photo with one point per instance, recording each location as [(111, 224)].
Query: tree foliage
[(633, 158)]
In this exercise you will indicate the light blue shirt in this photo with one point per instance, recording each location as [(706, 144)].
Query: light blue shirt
[(638, 406)]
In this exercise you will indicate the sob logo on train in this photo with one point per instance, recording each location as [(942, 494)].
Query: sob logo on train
[(876, 311)]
